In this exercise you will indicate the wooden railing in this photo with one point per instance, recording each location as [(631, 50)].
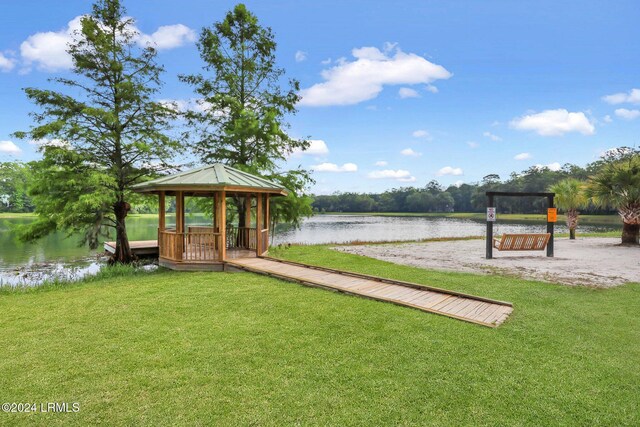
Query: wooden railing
[(190, 246), (241, 238), (264, 241)]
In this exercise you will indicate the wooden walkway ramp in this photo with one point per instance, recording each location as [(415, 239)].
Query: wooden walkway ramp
[(483, 311)]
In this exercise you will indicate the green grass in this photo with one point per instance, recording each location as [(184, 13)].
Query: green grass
[(12, 215), (175, 348)]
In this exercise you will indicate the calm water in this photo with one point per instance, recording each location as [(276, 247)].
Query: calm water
[(25, 263)]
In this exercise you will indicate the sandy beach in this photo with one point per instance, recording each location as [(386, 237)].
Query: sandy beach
[(596, 262)]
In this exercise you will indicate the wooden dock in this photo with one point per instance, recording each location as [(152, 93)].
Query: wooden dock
[(470, 308), (138, 247)]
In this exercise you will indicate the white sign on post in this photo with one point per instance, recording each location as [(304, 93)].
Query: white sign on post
[(491, 214)]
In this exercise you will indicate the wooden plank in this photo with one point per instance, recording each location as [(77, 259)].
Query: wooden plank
[(460, 307)]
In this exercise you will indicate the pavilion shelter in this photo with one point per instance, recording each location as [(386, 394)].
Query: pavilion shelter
[(207, 246)]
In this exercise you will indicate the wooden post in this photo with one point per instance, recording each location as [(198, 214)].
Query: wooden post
[(222, 223), (550, 229), (179, 224), (161, 211), (247, 220), (215, 213), (259, 224), (489, 243), (267, 222)]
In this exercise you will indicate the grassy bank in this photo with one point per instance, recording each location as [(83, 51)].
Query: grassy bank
[(235, 349)]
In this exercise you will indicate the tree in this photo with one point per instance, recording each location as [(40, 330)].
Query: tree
[(242, 119), (101, 137), (570, 196), (13, 187), (617, 185)]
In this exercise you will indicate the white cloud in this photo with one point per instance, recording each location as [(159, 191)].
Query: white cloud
[(8, 147), (397, 175), (326, 61), (522, 156), (6, 63), (554, 123), (168, 37), (421, 133), (448, 170), (300, 56), (49, 142), (332, 167), (317, 147), (431, 88), (406, 92), (473, 144), (607, 119), (632, 97), (458, 183), (48, 50), (410, 152), (352, 82), (627, 114), (381, 163), (491, 136), (555, 166)]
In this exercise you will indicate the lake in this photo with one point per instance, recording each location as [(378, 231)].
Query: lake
[(21, 263)]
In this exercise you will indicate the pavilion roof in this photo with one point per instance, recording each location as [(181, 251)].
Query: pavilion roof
[(211, 178)]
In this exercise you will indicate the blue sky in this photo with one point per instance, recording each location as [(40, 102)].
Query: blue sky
[(394, 93)]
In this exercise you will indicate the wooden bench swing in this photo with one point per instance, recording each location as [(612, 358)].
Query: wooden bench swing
[(522, 242), (519, 242)]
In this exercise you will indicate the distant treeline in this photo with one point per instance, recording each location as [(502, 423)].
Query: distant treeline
[(14, 179), (464, 198)]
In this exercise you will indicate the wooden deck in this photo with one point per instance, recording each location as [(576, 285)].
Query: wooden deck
[(479, 310), (138, 247)]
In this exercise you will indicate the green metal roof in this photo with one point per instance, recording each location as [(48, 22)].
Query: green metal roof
[(212, 177)]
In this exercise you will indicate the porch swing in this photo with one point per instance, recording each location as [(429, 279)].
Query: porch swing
[(519, 242)]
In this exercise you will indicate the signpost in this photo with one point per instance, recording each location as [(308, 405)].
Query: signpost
[(552, 215)]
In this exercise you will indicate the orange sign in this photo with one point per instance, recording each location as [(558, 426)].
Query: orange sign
[(552, 215)]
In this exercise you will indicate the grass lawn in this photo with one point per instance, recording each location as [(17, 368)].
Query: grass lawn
[(175, 348)]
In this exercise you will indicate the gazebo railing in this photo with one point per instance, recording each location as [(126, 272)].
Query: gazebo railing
[(190, 246), (264, 241), (242, 238)]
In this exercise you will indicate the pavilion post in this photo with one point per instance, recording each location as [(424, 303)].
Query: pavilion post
[(247, 221), (259, 224), (222, 224), (179, 224), (161, 211), (550, 229), (267, 223), (489, 242)]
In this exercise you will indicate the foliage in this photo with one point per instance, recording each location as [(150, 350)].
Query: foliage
[(103, 135), (238, 349), (570, 196), (244, 105), (468, 197), (617, 185), (14, 178)]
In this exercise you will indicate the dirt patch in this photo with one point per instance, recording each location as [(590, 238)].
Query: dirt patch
[(598, 262)]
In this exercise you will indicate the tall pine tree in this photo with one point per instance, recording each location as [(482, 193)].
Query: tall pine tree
[(109, 132), (244, 106)]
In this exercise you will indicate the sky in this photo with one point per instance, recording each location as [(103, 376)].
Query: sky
[(394, 93)]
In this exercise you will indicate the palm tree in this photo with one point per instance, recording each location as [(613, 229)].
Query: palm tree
[(570, 196), (617, 185)]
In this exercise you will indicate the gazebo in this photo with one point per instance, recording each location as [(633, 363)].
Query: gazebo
[(206, 247)]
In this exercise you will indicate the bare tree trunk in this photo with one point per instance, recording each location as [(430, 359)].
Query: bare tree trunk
[(572, 222), (123, 254), (630, 234)]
